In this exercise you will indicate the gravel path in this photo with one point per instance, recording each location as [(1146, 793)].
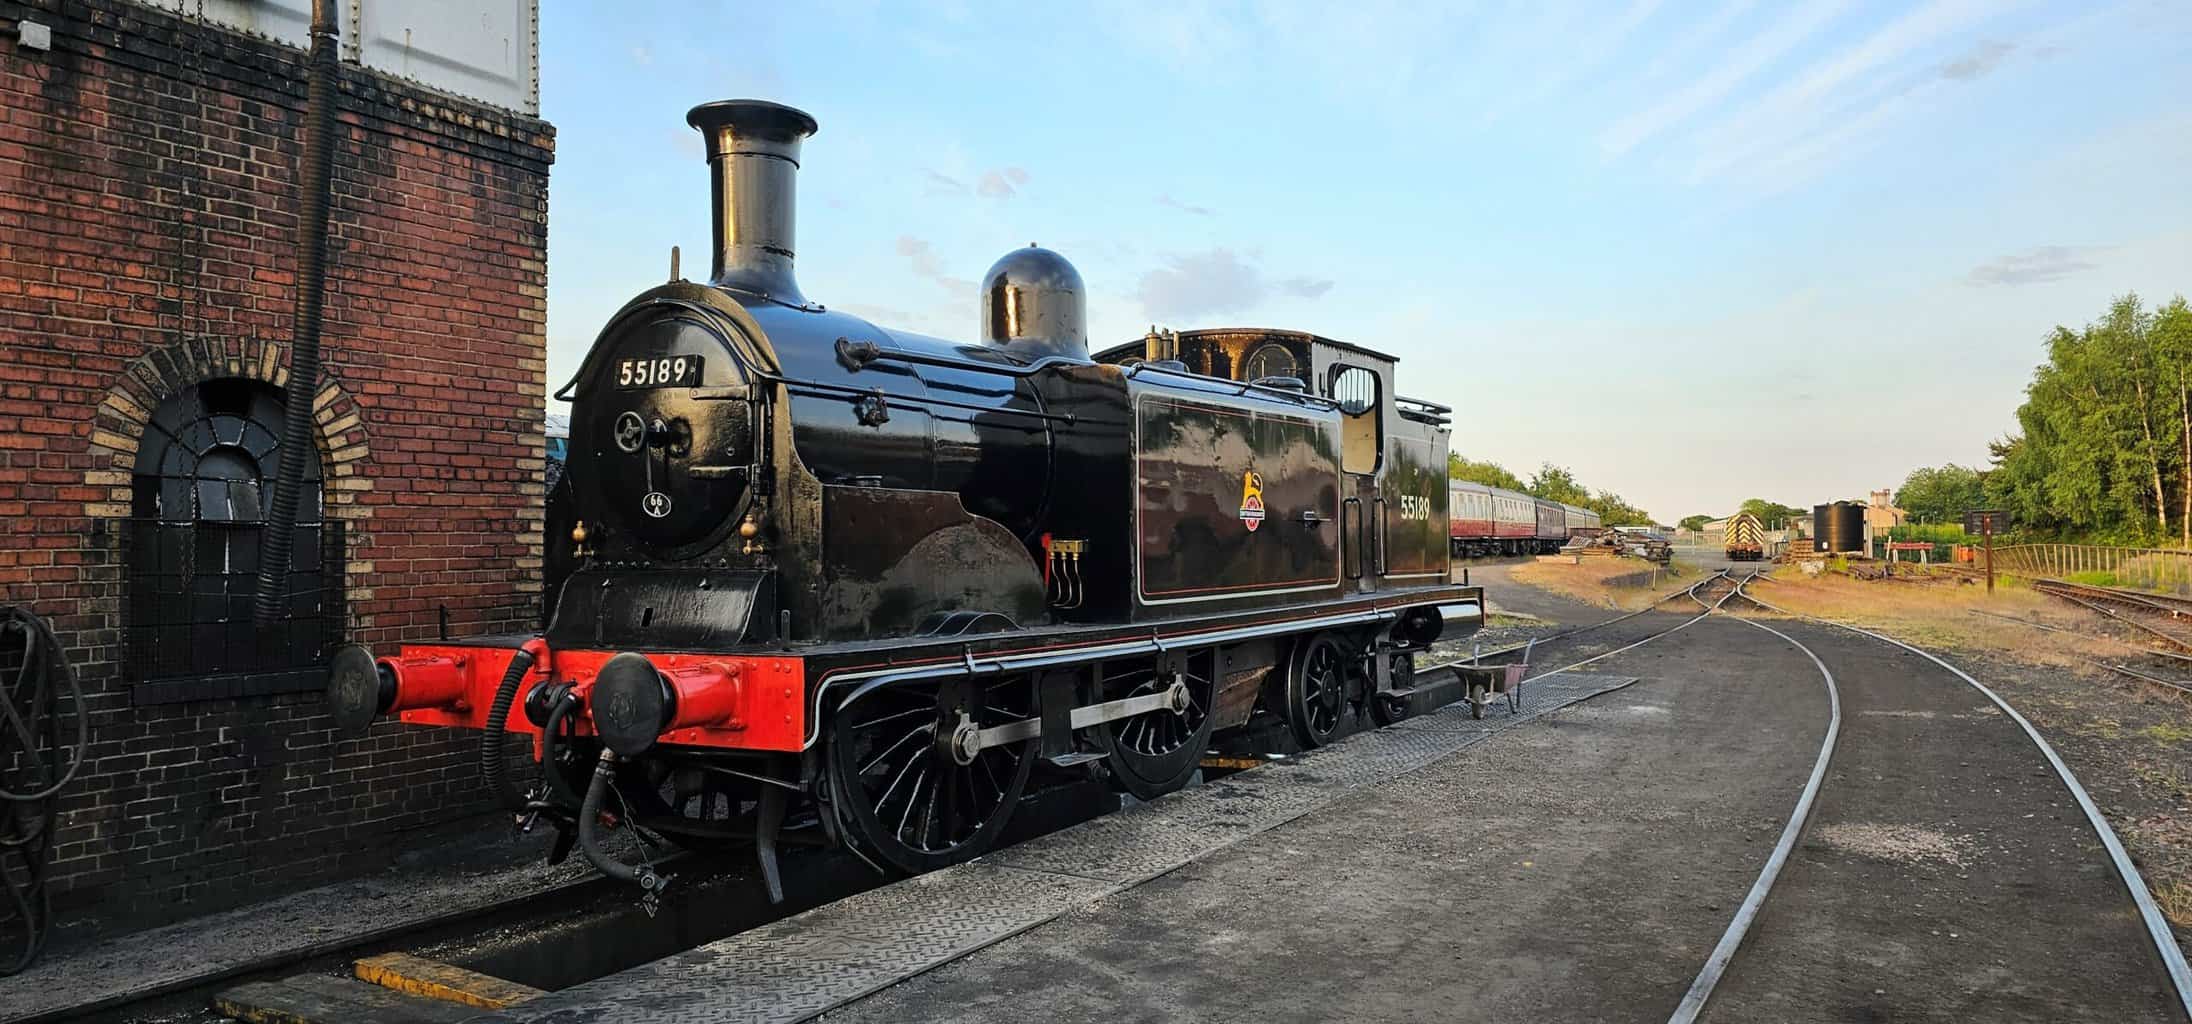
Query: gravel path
[(1946, 875)]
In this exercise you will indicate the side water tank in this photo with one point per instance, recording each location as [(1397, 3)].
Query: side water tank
[(1839, 526)]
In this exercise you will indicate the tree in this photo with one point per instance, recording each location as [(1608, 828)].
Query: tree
[(1771, 514), (2172, 335), (1694, 523), (2106, 431), (1941, 494), (1491, 474), (1556, 483), (1613, 511)]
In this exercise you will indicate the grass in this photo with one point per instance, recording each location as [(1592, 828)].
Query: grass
[(2167, 732), (2175, 899), (1621, 583), (2101, 728), (2095, 579), (1943, 614)]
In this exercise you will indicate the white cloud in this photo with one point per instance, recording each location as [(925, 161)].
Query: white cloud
[(2035, 266), (1199, 211), (1807, 105), (1683, 51), (921, 257), (1582, 54), (1979, 61), (1000, 184), (1749, 59), (937, 183), (1216, 281)]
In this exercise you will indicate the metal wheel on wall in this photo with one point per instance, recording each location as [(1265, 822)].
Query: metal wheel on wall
[(906, 784), (1316, 690), (1156, 752)]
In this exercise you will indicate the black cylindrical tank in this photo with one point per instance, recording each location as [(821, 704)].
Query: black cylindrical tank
[(1839, 526)]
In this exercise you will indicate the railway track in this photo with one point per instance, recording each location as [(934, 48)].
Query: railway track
[(1725, 953), (1718, 588), (1690, 591), (2181, 686), (2166, 618)]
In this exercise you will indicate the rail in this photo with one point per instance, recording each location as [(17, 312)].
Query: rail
[(2145, 612), (2165, 570)]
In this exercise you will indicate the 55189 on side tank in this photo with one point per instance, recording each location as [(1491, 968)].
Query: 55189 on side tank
[(814, 578)]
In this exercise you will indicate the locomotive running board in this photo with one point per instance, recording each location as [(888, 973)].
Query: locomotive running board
[(972, 665)]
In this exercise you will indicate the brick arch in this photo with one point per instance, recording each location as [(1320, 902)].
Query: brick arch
[(118, 427)]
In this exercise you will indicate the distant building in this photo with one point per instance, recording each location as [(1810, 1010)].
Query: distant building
[(1882, 515)]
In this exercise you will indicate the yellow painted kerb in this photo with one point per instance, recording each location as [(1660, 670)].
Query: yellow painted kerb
[(1221, 761), (421, 977)]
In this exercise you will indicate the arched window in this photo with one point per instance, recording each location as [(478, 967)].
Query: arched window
[(1355, 388), (200, 497)]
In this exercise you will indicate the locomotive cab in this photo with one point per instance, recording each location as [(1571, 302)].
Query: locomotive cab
[(1391, 508)]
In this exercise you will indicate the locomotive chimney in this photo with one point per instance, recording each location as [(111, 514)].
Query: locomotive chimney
[(753, 169)]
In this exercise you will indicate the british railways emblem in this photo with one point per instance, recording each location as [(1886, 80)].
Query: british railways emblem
[(1252, 500)]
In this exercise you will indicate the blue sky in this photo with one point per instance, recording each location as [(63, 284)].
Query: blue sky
[(1696, 252)]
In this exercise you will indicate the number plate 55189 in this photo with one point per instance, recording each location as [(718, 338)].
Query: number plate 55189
[(659, 372)]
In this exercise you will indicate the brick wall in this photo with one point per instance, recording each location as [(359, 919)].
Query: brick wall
[(148, 209)]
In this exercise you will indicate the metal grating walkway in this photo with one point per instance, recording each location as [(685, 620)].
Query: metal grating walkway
[(794, 969)]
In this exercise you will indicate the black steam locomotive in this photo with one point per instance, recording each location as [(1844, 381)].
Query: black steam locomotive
[(803, 568)]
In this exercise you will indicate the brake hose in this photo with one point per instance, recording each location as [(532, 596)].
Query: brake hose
[(551, 748), (589, 816), (493, 769)]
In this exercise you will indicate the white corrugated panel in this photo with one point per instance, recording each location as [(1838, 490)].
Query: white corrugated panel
[(485, 50), (488, 50), (284, 21)]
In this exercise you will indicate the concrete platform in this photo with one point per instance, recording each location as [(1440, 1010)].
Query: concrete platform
[(473, 875), (830, 957), (1575, 868)]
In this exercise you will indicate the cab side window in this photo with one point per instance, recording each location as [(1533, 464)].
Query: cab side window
[(1355, 388)]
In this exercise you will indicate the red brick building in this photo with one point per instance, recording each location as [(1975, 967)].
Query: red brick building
[(148, 208)]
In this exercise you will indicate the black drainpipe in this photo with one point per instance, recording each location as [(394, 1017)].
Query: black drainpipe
[(272, 599)]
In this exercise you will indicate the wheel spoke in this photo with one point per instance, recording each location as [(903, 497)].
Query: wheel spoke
[(884, 800), (944, 807), (913, 797), (905, 796), (892, 717), (929, 728)]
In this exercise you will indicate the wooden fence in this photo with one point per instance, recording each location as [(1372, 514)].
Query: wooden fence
[(2164, 569)]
